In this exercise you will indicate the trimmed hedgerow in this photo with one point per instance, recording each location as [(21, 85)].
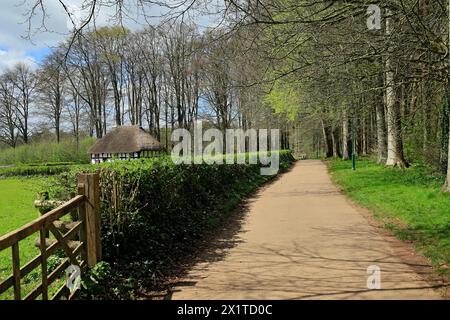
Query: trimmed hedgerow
[(35, 169)]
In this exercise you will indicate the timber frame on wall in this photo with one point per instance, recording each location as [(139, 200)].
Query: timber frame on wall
[(108, 157)]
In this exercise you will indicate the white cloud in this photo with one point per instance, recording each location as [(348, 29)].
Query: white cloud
[(8, 58)]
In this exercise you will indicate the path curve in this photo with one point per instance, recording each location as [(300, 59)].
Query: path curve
[(301, 239)]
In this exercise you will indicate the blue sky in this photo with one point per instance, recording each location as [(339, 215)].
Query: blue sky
[(39, 53)]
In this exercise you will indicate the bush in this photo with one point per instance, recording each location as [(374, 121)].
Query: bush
[(47, 152)]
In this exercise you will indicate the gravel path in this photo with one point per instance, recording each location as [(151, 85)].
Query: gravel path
[(301, 238)]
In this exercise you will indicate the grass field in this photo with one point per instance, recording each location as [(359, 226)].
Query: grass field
[(409, 202), (16, 202), (16, 209)]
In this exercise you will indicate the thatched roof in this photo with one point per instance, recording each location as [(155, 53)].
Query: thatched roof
[(125, 139)]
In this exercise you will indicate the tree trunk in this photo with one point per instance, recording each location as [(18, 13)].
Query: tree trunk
[(364, 136), (345, 135), (58, 131), (394, 143), (447, 181), (327, 140), (381, 134), (445, 121), (424, 117), (336, 145)]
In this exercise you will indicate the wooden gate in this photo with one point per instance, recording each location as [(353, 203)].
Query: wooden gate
[(80, 245)]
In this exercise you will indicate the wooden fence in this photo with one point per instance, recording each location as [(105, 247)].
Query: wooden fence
[(81, 243)]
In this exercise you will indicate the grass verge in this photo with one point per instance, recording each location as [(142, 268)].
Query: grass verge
[(17, 195), (16, 209), (409, 202)]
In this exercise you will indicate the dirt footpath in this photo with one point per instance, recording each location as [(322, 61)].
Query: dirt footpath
[(301, 238)]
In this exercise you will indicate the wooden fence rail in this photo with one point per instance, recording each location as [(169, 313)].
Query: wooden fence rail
[(81, 244)]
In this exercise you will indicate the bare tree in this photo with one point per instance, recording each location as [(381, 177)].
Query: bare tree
[(111, 41), (85, 62), (8, 115), (24, 85), (50, 90)]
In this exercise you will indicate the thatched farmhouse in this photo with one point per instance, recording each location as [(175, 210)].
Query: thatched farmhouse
[(124, 143)]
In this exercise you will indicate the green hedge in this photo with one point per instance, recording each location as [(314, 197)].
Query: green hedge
[(51, 164), (33, 170), (161, 206)]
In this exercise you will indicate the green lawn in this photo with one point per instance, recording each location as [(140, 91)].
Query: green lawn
[(408, 201), (16, 202), (16, 209)]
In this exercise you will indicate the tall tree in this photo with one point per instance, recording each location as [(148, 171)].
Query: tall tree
[(84, 62), (111, 42), (50, 89), (8, 115), (24, 85)]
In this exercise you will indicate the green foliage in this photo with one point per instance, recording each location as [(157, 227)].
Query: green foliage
[(54, 261), (284, 98), (111, 33), (94, 281), (35, 170), (409, 202), (47, 152)]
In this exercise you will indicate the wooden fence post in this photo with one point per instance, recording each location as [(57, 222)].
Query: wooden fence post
[(88, 185)]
